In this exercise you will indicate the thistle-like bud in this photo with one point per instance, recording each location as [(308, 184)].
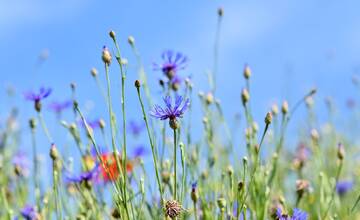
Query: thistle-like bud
[(274, 109), (174, 124), (240, 186), (247, 72), (106, 56), (112, 34), (102, 123), (268, 118), (37, 105), (54, 154), (173, 209), (245, 96), (137, 84), (230, 170), (220, 11), (341, 151), (194, 193), (314, 135), (32, 123), (285, 107), (131, 40), (301, 187), (94, 72), (209, 98)]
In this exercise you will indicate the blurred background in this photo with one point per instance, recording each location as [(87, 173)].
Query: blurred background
[(291, 47)]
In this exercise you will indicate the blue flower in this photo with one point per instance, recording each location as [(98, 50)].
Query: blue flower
[(172, 62), (139, 151), (37, 97), (297, 215), (58, 107), (29, 213), (170, 112), (342, 187), (86, 176), (136, 128)]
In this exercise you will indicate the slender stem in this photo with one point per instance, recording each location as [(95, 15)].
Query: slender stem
[(151, 144), (216, 53), (175, 150), (182, 152), (43, 125), (195, 211), (36, 167), (334, 189)]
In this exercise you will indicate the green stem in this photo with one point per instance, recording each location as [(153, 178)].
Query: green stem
[(36, 167), (43, 125), (151, 145), (175, 150)]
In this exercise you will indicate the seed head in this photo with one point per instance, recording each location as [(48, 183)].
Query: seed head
[(173, 209)]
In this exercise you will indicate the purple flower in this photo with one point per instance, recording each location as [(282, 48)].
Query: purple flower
[(136, 128), (58, 107), (21, 161), (297, 215), (86, 176), (37, 97), (170, 112), (139, 151), (94, 124), (344, 186), (172, 62), (29, 213), (194, 186)]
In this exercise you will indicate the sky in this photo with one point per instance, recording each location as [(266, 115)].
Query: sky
[(291, 47)]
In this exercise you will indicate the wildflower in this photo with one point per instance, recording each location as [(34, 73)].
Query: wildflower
[(58, 107), (139, 151), (37, 97), (109, 169), (21, 163), (29, 213), (301, 155), (94, 124), (342, 187), (171, 112), (175, 82), (84, 177), (172, 62), (173, 209), (194, 194), (297, 215), (136, 128)]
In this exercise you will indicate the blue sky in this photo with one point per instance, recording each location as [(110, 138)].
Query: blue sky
[(291, 47)]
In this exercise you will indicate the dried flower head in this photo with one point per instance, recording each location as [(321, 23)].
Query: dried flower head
[(173, 209)]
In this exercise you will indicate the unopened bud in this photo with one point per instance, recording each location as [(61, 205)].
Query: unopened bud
[(240, 186), (314, 135), (32, 123), (102, 123), (245, 96), (274, 109), (137, 83), (247, 72), (341, 151), (94, 72), (220, 11), (112, 34), (174, 124), (285, 107), (209, 98), (131, 40), (54, 154), (230, 170), (106, 55), (268, 118), (221, 203)]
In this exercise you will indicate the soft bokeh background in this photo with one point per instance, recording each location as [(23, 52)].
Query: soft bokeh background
[(291, 47)]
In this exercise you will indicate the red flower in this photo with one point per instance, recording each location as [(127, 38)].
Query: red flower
[(109, 169)]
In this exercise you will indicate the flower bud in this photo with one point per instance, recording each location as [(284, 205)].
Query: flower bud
[(137, 84), (165, 177), (102, 123), (240, 186), (245, 96), (285, 107), (32, 123), (131, 40), (174, 124), (341, 151), (54, 154), (230, 170), (209, 98), (106, 55), (221, 203), (274, 109), (268, 118), (94, 72), (220, 11), (314, 135), (247, 72), (37, 105), (112, 34)]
